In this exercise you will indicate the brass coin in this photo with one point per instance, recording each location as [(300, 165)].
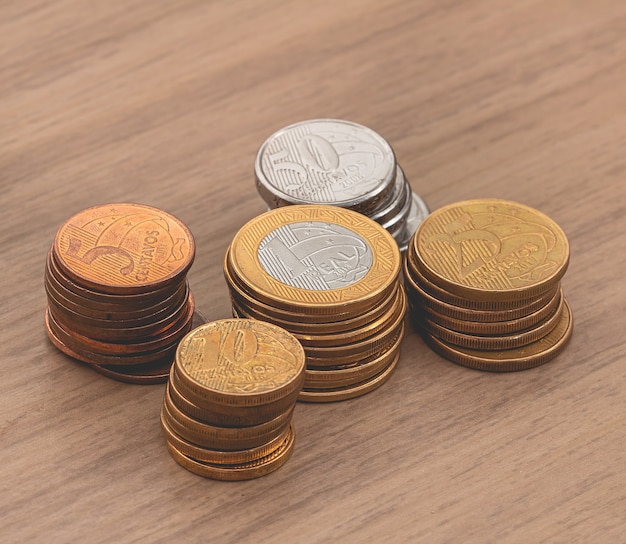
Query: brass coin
[(509, 341), (351, 391), (529, 356), (219, 457), (491, 250), (242, 471), (316, 260), (124, 248), (428, 303), (495, 328)]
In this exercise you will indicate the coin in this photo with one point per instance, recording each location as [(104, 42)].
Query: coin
[(124, 248), (491, 250), (240, 471), (316, 259), (529, 356), (325, 161)]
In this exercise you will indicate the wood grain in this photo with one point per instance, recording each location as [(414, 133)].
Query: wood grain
[(166, 103)]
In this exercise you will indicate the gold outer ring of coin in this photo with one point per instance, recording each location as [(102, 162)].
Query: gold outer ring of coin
[(342, 377), (222, 457), (243, 471), (497, 328), (416, 276), (529, 356), (422, 299), (493, 343), (491, 226), (238, 336), (367, 346), (249, 300), (357, 297), (315, 363), (352, 391), (241, 430), (97, 248), (85, 356), (98, 300), (216, 437)]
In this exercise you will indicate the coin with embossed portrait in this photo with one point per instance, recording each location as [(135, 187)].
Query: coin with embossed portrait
[(317, 260), (326, 161), (124, 248)]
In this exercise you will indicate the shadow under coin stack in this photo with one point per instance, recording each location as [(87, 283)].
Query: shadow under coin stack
[(330, 277), (339, 163), (118, 297), (227, 409), (483, 281)]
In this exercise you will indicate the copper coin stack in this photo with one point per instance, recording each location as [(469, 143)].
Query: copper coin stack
[(118, 298), (483, 280), (329, 276), (228, 405)]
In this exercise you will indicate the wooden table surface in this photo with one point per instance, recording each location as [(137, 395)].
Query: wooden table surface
[(166, 103)]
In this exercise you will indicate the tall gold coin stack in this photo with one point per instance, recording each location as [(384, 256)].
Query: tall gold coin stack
[(483, 281), (118, 297), (227, 409), (330, 277)]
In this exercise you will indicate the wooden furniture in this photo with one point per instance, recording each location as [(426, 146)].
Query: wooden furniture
[(166, 103)]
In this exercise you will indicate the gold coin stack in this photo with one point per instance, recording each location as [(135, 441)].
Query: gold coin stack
[(483, 282), (330, 277), (118, 297), (227, 409)]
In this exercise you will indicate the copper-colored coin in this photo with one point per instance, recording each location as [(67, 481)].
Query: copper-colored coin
[(491, 250), (497, 343), (528, 356), (420, 298), (241, 471), (495, 328), (221, 457), (316, 260), (351, 391), (350, 374), (124, 248), (139, 374)]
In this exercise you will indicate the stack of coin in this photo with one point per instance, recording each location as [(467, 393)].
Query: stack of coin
[(339, 163), (330, 277), (483, 281), (118, 297), (228, 405)]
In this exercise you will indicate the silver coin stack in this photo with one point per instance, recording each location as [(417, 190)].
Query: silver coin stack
[(339, 163)]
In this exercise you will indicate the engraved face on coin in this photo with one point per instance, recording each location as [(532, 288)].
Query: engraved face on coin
[(491, 249), (325, 161), (241, 357), (315, 255), (124, 248)]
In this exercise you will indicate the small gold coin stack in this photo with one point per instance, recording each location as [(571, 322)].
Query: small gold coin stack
[(227, 409), (118, 297), (483, 280), (330, 277)]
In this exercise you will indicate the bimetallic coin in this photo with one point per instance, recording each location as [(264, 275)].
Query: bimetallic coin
[(315, 259), (529, 356), (124, 248), (325, 161), (491, 250)]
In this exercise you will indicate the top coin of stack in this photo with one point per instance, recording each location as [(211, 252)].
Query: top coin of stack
[(339, 163), (117, 292), (228, 405), (330, 277), (483, 279)]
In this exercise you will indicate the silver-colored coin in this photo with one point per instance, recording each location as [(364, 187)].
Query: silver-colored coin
[(314, 255), (395, 202), (326, 161), (417, 213)]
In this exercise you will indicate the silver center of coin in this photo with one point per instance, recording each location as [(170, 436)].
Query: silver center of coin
[(326, 162), (314, 255)]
